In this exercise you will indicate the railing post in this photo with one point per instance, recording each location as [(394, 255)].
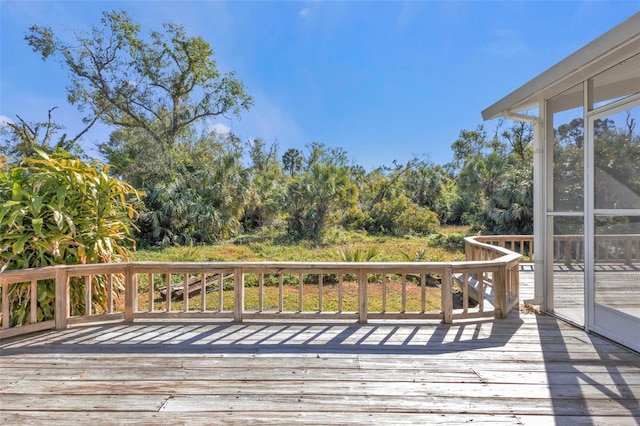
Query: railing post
[(447, 295), (130, 294), (5, 303), (62, 299), (363, 281), (627, 253), (500, 287), (567, 252), (515, 281), (238, 294)]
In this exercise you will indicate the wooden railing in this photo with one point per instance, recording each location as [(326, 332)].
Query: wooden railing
[(522, 244), (623, 249), (569, 249), (485, 285)]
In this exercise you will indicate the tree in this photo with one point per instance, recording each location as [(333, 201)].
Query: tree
[(205, 200), (617, 160), (510, 209), (136, 159), (292, 161), (162, 85), (263, 205), (470, 144), (23, 139), (323, 189), (494, 180), (425, 184), (568, 170)]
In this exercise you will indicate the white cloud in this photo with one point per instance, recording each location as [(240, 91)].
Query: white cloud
[(304, 12), (221, 129), (4, 119)]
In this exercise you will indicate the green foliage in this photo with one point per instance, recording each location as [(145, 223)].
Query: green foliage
[(510, 208), (62, 211), (21, 139), (292, 161), (494, 180), (322, 191), (161, 84), (136, 158), (450, 242), (399, 215), (162, 90), (415, 256), (359, 254), (263, 206), (202, 204)]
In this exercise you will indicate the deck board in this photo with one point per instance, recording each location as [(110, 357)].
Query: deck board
[(527, 369)]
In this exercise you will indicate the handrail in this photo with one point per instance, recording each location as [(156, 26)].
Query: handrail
[(522, 244), (486, 285), (610, 248), (570, 249)]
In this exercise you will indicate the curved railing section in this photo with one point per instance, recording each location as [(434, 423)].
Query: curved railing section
[(485, 285)]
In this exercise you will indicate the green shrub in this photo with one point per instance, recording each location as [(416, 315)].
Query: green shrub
[(450, 242), (400, 215), (62, 211)]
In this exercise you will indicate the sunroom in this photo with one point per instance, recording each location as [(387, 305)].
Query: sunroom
[(585, 112)]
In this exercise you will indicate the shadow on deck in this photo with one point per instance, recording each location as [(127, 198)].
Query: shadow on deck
[(189, 337), (525, 369)]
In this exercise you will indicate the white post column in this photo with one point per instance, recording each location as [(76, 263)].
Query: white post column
[(539, 210)]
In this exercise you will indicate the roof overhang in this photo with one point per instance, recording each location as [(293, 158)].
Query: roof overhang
[(615, 46)]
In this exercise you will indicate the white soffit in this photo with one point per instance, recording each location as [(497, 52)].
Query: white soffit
[(616, 45)]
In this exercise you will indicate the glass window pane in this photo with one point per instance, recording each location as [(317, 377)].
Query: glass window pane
[(567, 115), (617, 160), (617, 263), (568, 267)]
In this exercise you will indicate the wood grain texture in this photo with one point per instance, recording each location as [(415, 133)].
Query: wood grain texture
[(527, 369)]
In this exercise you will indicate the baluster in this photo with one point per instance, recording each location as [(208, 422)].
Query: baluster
[(300, 292), (88, 295), (220, 291), (423, 293), (281, 292), (185, 292), (320, 286), (481, 279), (152, 292), (404, 293), (340, 278), (168, 295), (203, 292), (465, 292), (260, 292), (384, 292)]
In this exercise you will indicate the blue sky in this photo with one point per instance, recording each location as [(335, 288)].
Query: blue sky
[(383, 80)]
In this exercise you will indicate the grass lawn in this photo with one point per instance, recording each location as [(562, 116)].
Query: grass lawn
[(446, 246)]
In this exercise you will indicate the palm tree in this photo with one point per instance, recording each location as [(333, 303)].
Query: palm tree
[(292, 161)]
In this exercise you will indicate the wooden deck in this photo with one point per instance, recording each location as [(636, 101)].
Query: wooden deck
[(526, 369)]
